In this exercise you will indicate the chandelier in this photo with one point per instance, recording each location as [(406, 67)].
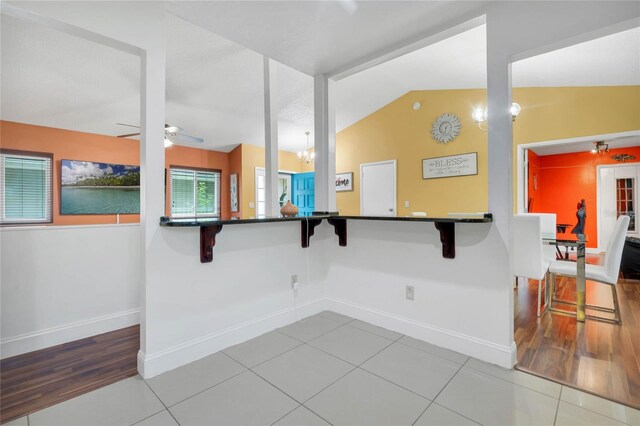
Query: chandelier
[(307, 155), (600, 147)]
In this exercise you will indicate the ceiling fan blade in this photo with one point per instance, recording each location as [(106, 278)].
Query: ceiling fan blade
[(187, 138), (127, 135), (172, 129), (128, 125)]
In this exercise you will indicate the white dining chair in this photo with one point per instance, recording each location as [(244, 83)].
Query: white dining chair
[(606, 273), (548, 227), (527, 256)]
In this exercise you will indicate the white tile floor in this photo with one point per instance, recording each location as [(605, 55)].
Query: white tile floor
[(330, 369)]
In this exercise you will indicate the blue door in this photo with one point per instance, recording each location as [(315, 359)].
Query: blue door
[(302, 193)]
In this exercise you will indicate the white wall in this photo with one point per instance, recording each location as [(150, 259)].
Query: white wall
[(456, 300), (65, 283), (195, 309)]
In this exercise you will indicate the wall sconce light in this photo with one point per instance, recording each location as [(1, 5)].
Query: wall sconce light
[(480, 116), (600, 148)]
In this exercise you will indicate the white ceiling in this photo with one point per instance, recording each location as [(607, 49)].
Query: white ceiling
[(322, 37), (586, 145), (214, 86)]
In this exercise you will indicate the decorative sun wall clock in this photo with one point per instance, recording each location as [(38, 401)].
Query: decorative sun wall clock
[(445, 128)]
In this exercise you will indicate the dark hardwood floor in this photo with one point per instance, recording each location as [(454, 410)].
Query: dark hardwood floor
[(596, 357), (39, 379)]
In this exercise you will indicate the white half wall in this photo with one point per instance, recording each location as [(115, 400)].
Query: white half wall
[(195, 309), (65, 283), (459, 304)]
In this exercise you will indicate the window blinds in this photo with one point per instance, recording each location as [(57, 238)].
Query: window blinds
[(25, 188), (195, 193)]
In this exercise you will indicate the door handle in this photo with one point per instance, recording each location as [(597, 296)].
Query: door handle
[(390, 210)]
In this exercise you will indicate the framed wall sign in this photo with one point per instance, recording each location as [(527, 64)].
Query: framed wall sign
[(450, 166), (233, 183), (344, 182)]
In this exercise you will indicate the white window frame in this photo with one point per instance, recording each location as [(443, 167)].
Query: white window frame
[(48, 185), (195, 171)]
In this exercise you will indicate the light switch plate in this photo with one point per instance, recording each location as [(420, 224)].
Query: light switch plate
[(406, 204), (251, 205)]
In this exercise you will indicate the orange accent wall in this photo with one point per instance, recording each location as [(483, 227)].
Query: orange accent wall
[(71, 145), (200, 159), (533, 180), (564, 179), (235, 166)]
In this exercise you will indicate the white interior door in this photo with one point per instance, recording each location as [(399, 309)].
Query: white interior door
[(618, 191), (378, 188)]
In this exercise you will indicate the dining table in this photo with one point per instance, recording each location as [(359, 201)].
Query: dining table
[(577, 241)]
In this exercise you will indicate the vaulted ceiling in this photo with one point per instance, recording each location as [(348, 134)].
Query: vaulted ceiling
[(214, 74)]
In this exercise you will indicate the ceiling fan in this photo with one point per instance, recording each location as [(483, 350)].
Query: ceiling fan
[(171, 135)]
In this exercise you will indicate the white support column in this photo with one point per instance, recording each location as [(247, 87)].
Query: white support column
[(324, 143), (271, 137), (500, 162), (152, 118)]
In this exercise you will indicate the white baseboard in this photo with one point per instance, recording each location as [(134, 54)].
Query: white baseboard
[(30, 342), (504, 356), (150, 365)]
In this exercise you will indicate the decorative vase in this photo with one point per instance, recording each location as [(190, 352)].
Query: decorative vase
[(288, 210)]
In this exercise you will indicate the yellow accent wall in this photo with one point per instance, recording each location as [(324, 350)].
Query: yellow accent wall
[(252, 157), (398, 132)]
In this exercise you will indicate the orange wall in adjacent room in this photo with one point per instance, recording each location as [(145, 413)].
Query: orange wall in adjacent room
[(533, 190), (71, 145), (201, 159), (235, 166), (564, 179)]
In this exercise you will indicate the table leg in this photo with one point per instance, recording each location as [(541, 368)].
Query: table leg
[(580, 280)]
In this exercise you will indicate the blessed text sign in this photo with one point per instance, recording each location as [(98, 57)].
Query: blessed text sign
[(450, 166)]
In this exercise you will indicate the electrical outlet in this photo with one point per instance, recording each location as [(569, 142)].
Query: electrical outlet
[(294, 282), (406, 204), (410, 292)]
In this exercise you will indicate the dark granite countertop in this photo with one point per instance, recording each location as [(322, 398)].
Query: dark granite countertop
[(192, 221)]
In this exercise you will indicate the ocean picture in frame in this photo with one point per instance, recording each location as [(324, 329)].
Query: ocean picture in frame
[(99, 188)]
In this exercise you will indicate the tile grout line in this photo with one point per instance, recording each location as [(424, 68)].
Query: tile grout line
[(210, 387), (300, 403), (266, 360), (597, 412), (286, 414), (344, 360), (443, 388), (513, 383), (372, 333), (555, 418), (422, 412), (320, 335), (431, 353), (161, 402), (395, 384)]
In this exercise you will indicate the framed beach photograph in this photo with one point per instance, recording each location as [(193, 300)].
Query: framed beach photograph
[(99, 188), (344, 182)]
